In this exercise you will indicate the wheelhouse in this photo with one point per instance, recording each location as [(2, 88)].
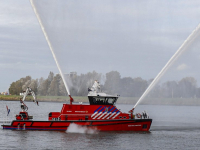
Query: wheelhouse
[(102, 100)]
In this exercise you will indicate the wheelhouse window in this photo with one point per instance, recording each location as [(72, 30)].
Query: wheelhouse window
[(95, 100)]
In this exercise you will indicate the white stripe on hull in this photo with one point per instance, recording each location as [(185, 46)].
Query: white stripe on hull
[(111, 115), (106, 115), (94, 114), (97, 115), (116, 115), (102, 115)]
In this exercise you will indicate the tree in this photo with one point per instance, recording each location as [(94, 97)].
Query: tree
[(79, 84), (112, 84), (44, 87), (34, 85), (26, 84), (187, 87), (170, 89), (17, 87), (62, 88), (54, 86), (50, 77), (139, 86), (126, 87), (39, 89), (12, 89)]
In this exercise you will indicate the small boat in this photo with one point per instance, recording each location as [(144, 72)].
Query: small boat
[(100, 114)]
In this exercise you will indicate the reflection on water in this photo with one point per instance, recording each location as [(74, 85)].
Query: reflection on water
[(172, 127)]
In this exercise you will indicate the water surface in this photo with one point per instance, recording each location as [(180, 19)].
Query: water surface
[(173, 127)]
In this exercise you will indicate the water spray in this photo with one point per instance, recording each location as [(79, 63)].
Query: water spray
[(51, 48), (181, 49)]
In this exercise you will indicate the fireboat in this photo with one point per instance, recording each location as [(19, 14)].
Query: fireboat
[(100, 114)]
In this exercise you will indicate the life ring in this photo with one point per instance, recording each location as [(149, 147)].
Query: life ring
[(138, 115)]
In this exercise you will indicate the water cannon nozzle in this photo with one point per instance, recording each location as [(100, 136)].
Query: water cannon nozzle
[(71, 99)]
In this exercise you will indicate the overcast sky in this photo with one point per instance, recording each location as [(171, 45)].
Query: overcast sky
[(136, 38)]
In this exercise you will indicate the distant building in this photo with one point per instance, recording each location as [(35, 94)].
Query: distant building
[(21, 94), (4, 93)]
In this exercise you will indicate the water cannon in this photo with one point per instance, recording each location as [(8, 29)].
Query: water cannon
[(131, 113), (71, 99)]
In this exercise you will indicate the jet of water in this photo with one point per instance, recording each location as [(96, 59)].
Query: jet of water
[(50, 46), (181, 49)]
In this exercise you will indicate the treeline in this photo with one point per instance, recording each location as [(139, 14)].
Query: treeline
[(112, 83)]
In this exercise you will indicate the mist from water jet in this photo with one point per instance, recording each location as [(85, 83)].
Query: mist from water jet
[(181, 49), (74, 128)]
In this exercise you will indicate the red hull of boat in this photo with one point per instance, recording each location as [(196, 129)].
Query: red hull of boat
[(106, 125)]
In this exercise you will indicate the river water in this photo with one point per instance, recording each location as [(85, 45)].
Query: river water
[(173, 127)]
